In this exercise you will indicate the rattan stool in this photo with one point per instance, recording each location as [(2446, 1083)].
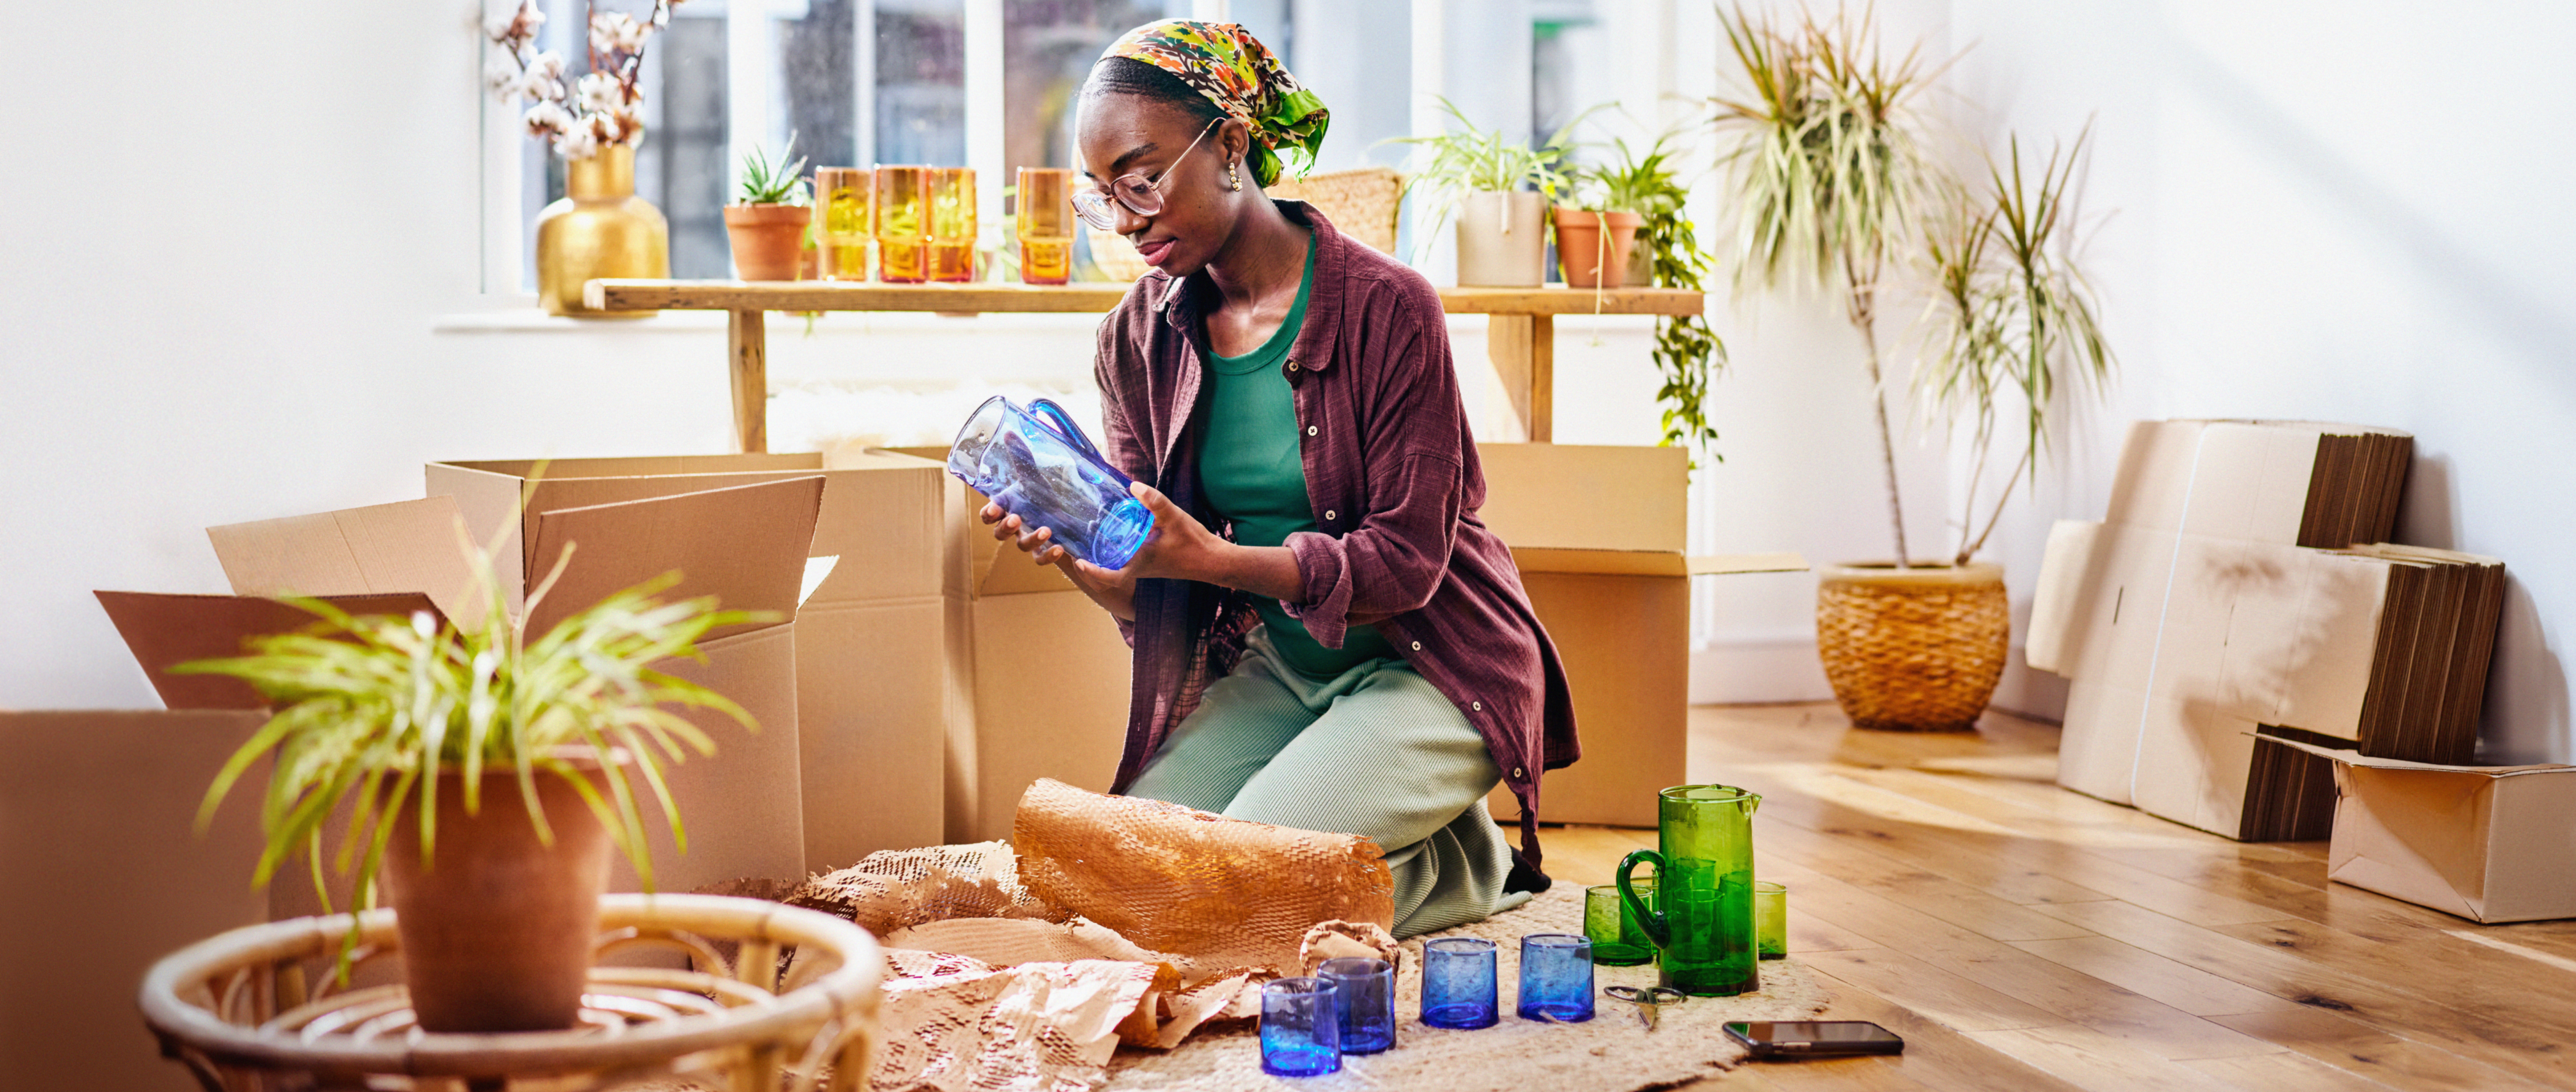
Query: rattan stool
[(237, 1011)]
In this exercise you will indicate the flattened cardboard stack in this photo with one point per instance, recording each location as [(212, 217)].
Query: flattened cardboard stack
[(745, 545), (2224, 597)]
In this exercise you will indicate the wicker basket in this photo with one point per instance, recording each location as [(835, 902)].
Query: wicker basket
[(1915, 650), (1361, 203)]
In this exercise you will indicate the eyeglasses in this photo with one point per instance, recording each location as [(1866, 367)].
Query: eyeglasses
[(1141, 195)]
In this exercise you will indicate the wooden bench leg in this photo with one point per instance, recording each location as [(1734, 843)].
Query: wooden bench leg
[(1523, 349), (747, 331)]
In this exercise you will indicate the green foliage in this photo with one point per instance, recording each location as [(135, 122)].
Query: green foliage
[(766, 182), (1687, 353), (373, 708), (1471, 160), (2010, 311)]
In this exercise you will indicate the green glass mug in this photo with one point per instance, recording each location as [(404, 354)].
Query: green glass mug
[(1702, 920)]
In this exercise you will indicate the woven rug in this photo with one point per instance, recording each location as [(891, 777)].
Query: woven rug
[(1613, 1052)]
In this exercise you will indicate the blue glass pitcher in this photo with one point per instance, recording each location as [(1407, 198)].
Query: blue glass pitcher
[(1037, 465)]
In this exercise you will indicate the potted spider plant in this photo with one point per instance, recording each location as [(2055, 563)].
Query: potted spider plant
[(1498, 190), (767, 226), (1667, 254), (486, 773), (1596, 233)]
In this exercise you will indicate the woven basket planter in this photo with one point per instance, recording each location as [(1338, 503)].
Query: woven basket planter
[(1916, 650)]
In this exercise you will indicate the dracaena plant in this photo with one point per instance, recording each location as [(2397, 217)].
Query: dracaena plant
[(373, 708), (2010, 312)]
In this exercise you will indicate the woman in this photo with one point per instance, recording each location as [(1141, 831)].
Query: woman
[(1325, 635)]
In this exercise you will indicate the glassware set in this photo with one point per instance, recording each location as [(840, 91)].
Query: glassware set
[(923, 220)]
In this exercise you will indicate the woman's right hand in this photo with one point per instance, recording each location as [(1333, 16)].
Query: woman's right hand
[(1114, 590)]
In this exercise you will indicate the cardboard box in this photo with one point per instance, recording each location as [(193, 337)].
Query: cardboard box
[(102, 874), (1043, 669), (875, 693), (745, 545), (1599, 535), (2487, 843)]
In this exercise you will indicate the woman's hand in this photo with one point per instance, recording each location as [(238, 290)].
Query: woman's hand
[(1179, 548), (1114, 590)]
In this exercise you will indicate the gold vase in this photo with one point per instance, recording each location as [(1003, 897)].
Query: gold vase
[(599, 229)]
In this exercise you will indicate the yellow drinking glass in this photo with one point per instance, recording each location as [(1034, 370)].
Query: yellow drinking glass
[(843, 199), (903, 224), (1045, 225), (952, 224)]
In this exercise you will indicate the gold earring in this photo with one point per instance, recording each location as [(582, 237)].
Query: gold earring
[(1233, 181)]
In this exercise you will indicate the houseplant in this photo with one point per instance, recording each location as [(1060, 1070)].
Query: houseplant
[(599, 228), (413, 723), (767, 226), (1831, 185), (1499, 191), (1667, 255)]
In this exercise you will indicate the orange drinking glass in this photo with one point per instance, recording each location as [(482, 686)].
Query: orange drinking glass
[(843, 198), (1045, 224), (903, 224), (952, 224)]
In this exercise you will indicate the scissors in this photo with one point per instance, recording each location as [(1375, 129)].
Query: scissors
[(1650, 1001)]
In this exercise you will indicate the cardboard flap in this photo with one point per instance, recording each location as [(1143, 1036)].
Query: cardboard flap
[(1724, 564), (1541, 559), (2057, 606), (165, 630), (2419, 836), (1568, 496), (382, 549), (746, 546), (2349, 757)]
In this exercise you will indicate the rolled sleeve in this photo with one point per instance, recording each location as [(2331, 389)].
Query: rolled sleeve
[(1388, 565)]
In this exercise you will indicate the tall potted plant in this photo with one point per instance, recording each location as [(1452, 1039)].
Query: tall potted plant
[(599, 228), (1499, 191), (1832, 189), (487, 774)]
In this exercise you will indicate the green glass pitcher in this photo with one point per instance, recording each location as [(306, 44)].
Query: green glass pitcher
[(1702, 923)]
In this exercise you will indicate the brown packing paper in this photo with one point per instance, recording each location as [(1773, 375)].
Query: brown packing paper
[(102, 873)]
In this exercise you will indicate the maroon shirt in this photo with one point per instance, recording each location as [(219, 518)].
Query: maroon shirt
[(1392, 473)]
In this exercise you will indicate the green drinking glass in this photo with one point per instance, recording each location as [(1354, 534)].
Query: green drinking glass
[(1702, 916), (1617, 939)]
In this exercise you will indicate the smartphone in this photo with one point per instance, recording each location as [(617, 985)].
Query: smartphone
[(1814, 1038)]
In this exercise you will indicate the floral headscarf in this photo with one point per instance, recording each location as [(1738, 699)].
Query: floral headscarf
[(1235, 71)]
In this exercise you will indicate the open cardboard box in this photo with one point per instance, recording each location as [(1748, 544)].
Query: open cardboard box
[(1599, 535), (1045, 672), (744, 545), (875, 694), (2488, 843), (102, 873)]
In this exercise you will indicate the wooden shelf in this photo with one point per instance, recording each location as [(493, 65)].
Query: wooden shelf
[(1521, 339)]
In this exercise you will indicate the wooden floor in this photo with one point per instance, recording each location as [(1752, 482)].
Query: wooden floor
[(2020, 936)]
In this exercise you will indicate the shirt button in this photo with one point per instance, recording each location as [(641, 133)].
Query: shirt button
[(1417, 646), (1519, 773), (1292, 365), (1329, 513), (1477, 706), (1310, 430)]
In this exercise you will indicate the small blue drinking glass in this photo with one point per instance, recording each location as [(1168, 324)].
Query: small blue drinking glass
[(1556, 977), (1364, 998), (1458, 983), (1300, 1031)]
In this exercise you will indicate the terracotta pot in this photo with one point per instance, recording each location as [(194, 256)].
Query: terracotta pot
[(1912, 649), (1588, 259), (768, 240), (497, 930), (1502, 241)]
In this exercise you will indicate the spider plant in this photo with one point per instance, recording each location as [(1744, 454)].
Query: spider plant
[(374, 708), (1470, 160), (2010, 311), (1825, 166), (765, 181)]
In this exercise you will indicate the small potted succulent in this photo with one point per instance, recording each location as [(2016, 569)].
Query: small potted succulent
[(485, 773), (1499, 191), (768, 225)]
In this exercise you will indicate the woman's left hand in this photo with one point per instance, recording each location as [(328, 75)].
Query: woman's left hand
[(1180, 547)]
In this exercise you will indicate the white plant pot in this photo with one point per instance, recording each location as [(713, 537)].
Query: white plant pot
[(1502, 240)]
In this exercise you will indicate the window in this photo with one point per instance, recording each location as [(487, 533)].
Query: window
[(859, 82)]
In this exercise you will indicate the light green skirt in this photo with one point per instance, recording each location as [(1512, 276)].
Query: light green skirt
[(1376, 751)]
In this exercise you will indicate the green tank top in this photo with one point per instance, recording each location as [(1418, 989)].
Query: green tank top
[(1252, 467)]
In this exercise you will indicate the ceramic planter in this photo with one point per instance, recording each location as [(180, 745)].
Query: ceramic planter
[(1591, 256), (599, 229), (1912, 649), (768, 240), (497, 927), (1502, 241)]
